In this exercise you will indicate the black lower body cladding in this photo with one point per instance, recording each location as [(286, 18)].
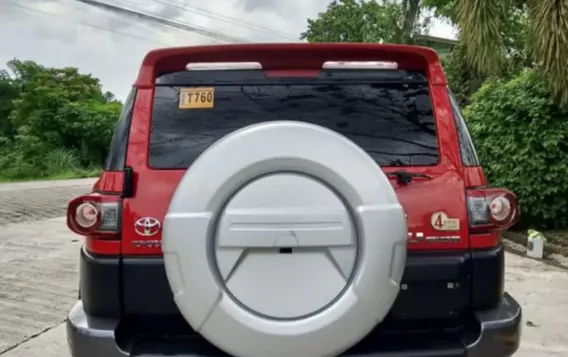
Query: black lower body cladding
[(436, 285), (139, 317)]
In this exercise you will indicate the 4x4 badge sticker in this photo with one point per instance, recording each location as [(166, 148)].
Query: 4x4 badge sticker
[(441, 222)]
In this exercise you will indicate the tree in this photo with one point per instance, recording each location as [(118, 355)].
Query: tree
[(8, 92), (411, 13), (367, 21), (109, 97), (487, 31), (462, 79), (55, 112), (521, 137)]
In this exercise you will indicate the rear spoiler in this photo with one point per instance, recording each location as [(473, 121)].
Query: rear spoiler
[(291, 56)]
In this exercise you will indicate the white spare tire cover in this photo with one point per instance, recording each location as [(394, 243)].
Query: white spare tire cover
[(284, 239)]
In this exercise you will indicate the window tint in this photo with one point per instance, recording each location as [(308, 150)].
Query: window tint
[(116, 156), (467, 149), (393, 122)]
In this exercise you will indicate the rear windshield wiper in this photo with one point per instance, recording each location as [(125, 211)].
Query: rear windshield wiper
[(405, 177)]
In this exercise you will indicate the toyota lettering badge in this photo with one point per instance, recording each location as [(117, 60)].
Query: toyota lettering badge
[(147, 226)]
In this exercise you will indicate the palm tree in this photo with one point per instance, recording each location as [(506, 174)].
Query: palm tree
[(482, 24)]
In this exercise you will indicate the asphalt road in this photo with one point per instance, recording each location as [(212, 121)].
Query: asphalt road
[(38, 278)]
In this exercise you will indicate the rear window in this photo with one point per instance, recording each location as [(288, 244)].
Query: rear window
[(391, 120)]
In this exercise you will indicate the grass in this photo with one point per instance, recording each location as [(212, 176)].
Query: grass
[(63, 175), (58, 164)]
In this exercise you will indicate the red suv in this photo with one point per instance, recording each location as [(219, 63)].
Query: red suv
[(280, 200)]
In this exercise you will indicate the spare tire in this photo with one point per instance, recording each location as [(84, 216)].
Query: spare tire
[(284, 239)]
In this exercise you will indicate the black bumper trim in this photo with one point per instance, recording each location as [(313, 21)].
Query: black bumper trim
[(488, 271), (500, 330), (99, 286), (496, 332), (436, 285)]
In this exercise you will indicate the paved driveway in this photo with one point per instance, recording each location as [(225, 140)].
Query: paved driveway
[(38, 280), (38, 260), (22, 202)]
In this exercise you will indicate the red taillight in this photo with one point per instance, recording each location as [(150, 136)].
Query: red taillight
[(94, 215), (491, 209), (86, 215)]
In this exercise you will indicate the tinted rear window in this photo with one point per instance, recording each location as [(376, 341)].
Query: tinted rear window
[(392, 121)]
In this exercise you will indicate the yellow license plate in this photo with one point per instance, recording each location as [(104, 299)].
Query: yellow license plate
[(196, 98)]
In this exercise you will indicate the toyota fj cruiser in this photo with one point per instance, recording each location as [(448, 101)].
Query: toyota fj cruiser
[(292, 200)]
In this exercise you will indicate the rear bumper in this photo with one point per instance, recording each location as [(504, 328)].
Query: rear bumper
[(500, 330), (497, 333), (435, 285)]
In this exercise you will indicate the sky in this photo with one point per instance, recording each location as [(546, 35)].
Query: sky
[(60, 33)]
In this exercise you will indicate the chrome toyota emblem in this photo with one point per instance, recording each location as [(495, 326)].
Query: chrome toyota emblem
[(147, 226)]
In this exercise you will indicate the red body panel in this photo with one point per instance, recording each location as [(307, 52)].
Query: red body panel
[(474, 177), (110, 181), (153, 189), (290, 56), (445, 192)]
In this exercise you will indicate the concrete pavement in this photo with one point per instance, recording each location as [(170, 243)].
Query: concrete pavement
[(38, 278), (38, 260), (22, 202), (49, 344), (542, 291)]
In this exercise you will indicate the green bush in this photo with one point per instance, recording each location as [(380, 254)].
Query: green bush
[(13, 167), (54, 122), (59, 161), (522, 140)]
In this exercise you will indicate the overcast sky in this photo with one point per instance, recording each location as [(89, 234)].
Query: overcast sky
[(111, 46)]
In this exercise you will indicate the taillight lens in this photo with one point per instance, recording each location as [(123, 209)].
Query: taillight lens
[(491, 209), (500, 209), (86, 215), (94, 215)]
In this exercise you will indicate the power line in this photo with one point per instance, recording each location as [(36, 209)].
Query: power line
[(118, 17), (174, 24), (29, 9), (121, 17), (224, 18), (228, 19)]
